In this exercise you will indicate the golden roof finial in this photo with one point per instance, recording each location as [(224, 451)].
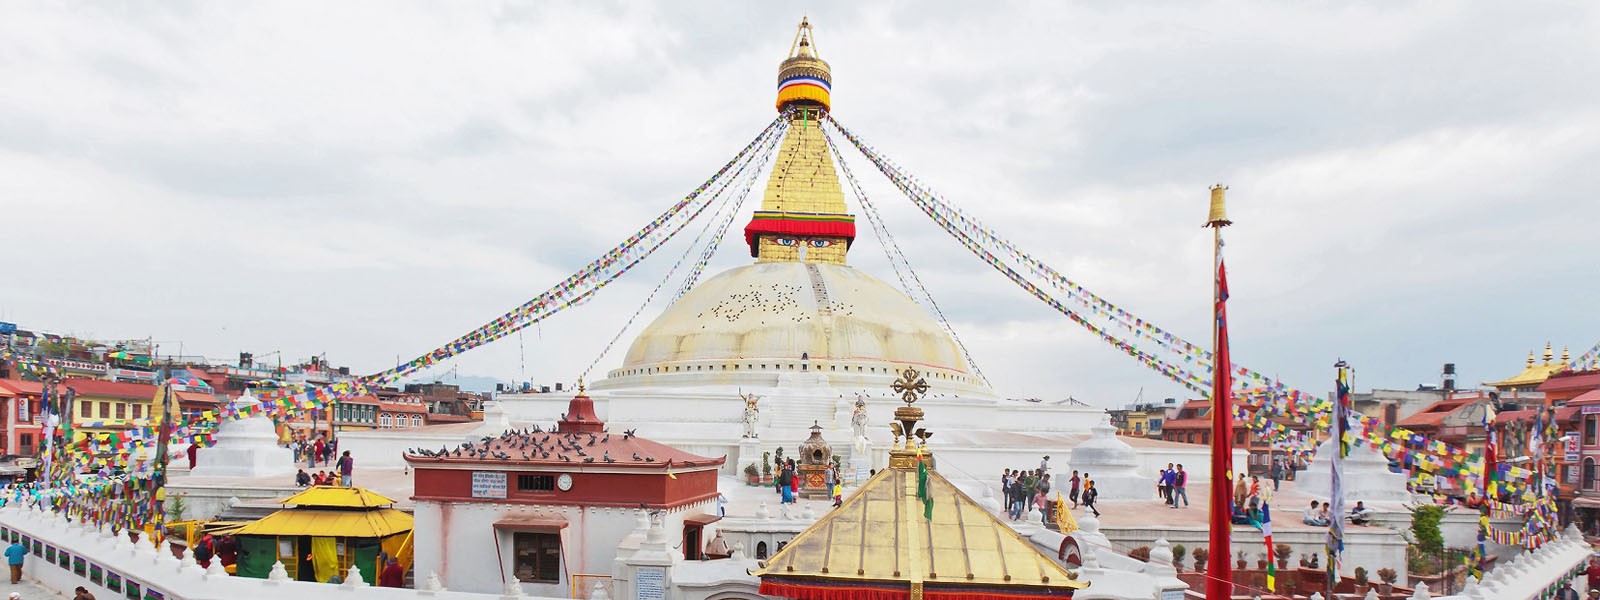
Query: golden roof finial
[(580, 385), (1566, 357), (1548, 354), (1219, 212), (1530, 358), (804, 79)]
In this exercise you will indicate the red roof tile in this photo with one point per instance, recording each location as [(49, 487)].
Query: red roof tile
[(1589, 397), (18, 387), (546, 449), (1571, 380), (1434, 414), (99, 388)]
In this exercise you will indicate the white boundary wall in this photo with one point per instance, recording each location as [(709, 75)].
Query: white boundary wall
[(160, 576)]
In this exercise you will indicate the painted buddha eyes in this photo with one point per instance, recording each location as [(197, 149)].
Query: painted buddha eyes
[(812, 242)]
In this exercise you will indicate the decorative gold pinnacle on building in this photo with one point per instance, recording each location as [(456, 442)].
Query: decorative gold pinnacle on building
[(1219, 211), (911, 387)]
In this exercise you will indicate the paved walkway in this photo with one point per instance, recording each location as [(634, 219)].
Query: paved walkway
[(30, 590)]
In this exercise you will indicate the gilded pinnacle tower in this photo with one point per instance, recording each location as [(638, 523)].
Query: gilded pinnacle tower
[(803, 217)]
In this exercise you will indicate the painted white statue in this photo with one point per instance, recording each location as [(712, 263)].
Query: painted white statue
[(752, 414), (858, 423)]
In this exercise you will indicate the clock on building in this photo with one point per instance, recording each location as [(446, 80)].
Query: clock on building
[(564, 482)]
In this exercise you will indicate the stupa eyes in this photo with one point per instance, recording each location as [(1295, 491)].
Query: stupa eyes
[(784, 241), (821, 243), (814, 243)]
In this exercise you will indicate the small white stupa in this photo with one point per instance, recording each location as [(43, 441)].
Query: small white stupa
[(245, 448), (1112, 464), (1366, 476)]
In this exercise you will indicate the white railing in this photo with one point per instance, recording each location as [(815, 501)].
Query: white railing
[(112, 566)]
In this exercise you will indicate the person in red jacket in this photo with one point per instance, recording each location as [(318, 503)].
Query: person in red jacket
[(393, 575)]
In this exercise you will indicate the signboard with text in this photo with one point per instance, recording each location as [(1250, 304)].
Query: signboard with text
[(488, 484), (1573, 450)]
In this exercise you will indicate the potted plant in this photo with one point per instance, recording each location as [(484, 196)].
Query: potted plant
[(1200, 555), (1388, 577), (1261, 563), (1284, 552), (766, 467), (752, 474), (1361, 578), (1178, 551), (1142, 553), (1241, 562)]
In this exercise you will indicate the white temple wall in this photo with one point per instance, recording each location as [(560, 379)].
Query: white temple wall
[(459, 541), (385, 448)]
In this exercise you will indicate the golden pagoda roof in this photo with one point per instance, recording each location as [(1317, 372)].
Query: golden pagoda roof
[(1536, 373), (879, 538), (375, 523), (338, 497)]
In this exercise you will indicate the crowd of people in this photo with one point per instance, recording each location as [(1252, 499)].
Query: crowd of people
[(1320, 514), (1173, 485), (787, 483), (1021, 487), (342, 476)]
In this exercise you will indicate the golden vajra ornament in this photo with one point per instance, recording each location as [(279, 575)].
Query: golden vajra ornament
[(911, 386)]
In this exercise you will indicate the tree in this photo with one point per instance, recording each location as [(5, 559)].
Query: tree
[(1425, 531)]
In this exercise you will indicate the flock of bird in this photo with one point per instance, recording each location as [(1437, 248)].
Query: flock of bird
[(534, 444)]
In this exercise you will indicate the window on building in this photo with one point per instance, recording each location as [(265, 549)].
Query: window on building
[(416, 420), (138, 411), (27, 443), (86, 408), (761, 550), (1205, 437), (1239, 438), (1589, 429), (536, 483), (537, 556), (122, 410), (1588, 473), (383, 420)]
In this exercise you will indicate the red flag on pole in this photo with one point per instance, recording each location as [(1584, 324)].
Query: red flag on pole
[(1219, 580)]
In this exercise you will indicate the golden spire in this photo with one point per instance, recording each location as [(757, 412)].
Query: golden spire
[(803, 217), (1219, 212), (1530, 358), (804, 79), (1548, 354), (1566, 357)]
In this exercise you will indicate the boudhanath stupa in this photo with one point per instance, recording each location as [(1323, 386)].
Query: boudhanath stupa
[(805, 335)]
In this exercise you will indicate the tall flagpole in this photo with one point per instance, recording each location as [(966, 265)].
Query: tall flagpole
[(1341, 422), (1219, 578)]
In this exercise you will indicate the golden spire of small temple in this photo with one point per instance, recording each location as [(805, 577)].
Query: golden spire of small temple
[(1548, 354), (803, 217), (1530, 358), (1566, 357)]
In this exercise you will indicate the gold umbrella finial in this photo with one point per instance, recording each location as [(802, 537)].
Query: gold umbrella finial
[(1219, 212), (1548, 353)]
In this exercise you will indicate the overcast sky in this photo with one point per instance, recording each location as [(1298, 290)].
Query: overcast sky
[(1412, 184)]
